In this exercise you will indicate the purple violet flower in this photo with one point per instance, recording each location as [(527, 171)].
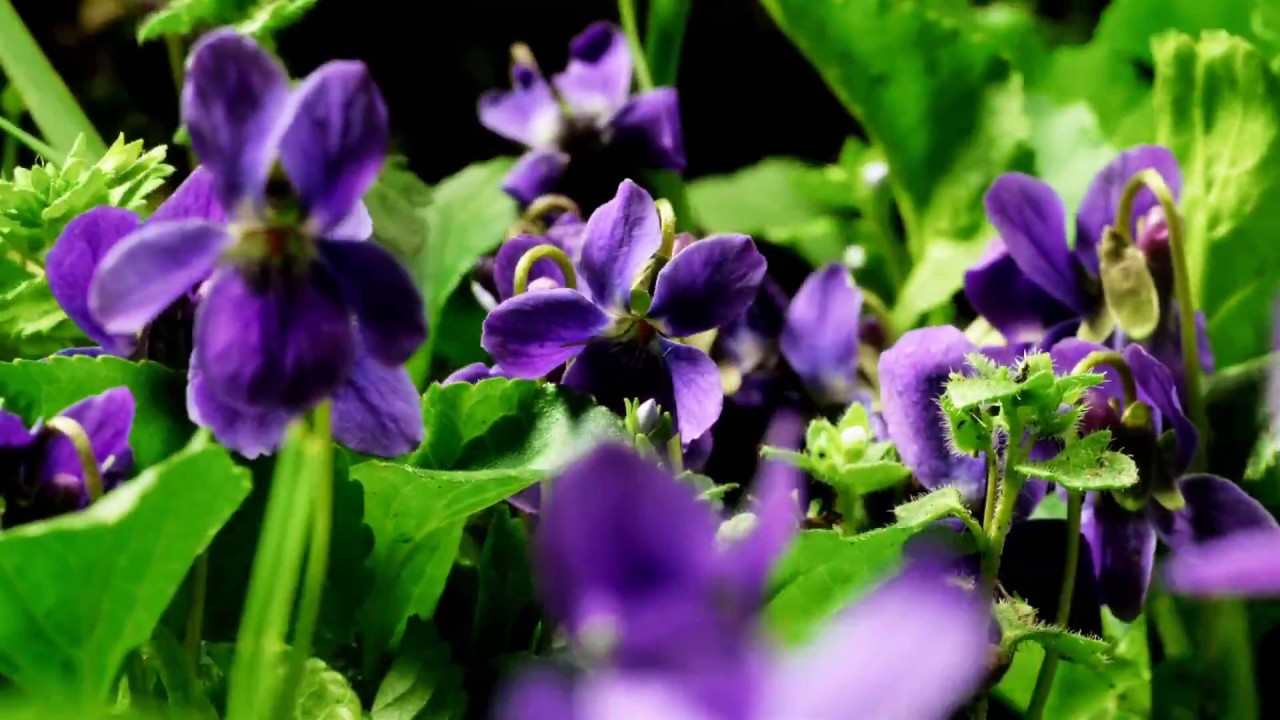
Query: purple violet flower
[(621, 352), (40, 470), (1123, 541), (674, 607), (820, 338), (294, 304), (586, 116), (1242, 564)]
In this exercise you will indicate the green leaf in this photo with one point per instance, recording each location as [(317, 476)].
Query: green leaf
[(501, 423), (398, 203), (182, 17), (324, 694), (32, 323), (469, 217), (1218, 108), (133, 548), (272, 16), (423, 683), (41, 389), (775, 193), (416, 516), (1018, 624), (932, 507), (505, 586), (969, 392), (948, 115), (824, 572), (868, 477), (1086, 465)]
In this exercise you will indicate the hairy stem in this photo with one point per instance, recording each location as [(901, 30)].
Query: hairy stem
[(1044, 681)]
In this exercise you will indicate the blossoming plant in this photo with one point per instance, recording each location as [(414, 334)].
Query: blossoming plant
[(976, 417)]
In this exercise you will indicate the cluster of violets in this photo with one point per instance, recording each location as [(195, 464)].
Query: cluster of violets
[(258, 277)]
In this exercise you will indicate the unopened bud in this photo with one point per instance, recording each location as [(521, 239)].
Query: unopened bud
[(648, 415), (1128, 287)]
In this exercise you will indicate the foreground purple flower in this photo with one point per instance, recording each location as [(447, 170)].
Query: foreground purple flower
[(675, 612), (1123, 529), (294, 306), (620, 352), (1243, 564), (586, 110), (41, 474)]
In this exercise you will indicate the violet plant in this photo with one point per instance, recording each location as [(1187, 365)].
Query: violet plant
[(588, 431)]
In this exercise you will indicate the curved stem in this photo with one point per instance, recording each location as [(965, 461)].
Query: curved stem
[(1116, 362), (1044, 681), (667, 216), (74, 432), (551, 252), (1152, 180), (627, 13), (539, 208)]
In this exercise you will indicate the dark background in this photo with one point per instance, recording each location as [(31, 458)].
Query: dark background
[(746, 93)]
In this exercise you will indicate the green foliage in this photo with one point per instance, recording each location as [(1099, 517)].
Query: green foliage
[(1218, 108), (1019, 624), (501, 423), (39, 201), (133, 548), (32, 323), (1086, 465), (843, 455), (325, 694), (398, 203), (934, 506), (505, 585), (417, 518), (261, 19), (41, 389), (423, 683), (948, 116)]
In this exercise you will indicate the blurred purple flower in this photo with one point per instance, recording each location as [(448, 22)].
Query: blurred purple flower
[(1123, 541), (40, 471), (293, 304), (586, 109), (1242, 564), (629, 561), (820, 338), (619, 352)]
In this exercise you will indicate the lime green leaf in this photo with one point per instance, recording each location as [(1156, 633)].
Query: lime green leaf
[(948, 115), (969, 392), (324, 694), (133, 547), (932, 507), (1218, 109), (1086, 465), (776, 193), (416, 517), (41, 389), (1018, 624), (272, 16), (32, 323), (423, 683), (469, 217), (398, 203), (500, 423), (182, 17), (823, 572)]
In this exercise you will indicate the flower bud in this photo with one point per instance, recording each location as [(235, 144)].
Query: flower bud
[(1128, 287)]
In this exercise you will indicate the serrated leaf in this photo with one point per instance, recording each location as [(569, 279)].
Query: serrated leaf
[(416, 517), (40, 389), (423, 683), (468, 218), (970, 392), (324, 694), (133, 548), (1086, 465), (33, 324), (1018, 624), (927, 509), (501, 423), (1218, 109)]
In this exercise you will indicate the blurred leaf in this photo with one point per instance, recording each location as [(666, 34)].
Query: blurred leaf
[(261, 19), (947, 115), (324, 694), (776, 192), (1218, 109), (824, 572), (398, 203), (417, 517), (423, 683), (32, 323), (43, 388), (505, 587), (1086, 465), (272, 16), (468, 218), (133, 548), (501, 423), (1128, 25), (1069, 145)]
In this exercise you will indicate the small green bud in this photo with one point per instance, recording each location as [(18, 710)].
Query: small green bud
[(1128, 287), (1138, 417), (640, 301)]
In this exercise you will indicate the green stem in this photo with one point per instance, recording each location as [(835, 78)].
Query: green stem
[(1227, 653), (1163, 614), (51, 105), (79, 439), (1044, 681), (539, 252), (664, 36), (627, 13), (1115, 361), (1002, 520), (993, 486), (198, 589), (667, 219), (1150, 179), (35, 144)]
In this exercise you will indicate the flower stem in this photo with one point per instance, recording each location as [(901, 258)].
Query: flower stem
[(1009, 487), (79, 439), (551, 252), (1152, 180), (627, 13), (667, 218), (1044, 681), (197, 585), (993, 488), (1227, 653), (1115, 361)]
